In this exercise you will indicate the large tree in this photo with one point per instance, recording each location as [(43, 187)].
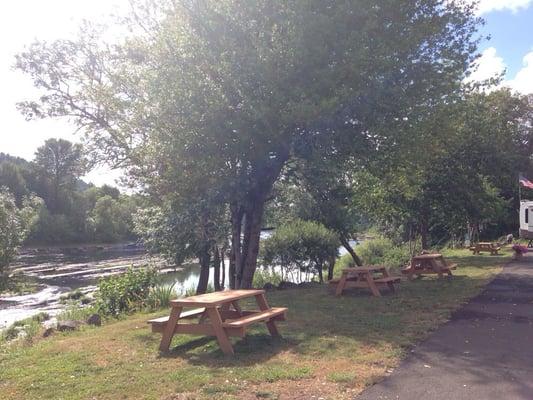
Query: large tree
[(60, 164), (219, 94)]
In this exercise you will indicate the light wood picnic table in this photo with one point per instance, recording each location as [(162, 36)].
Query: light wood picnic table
[(219, 315), (370, 277), (429, 264), (480, 247)]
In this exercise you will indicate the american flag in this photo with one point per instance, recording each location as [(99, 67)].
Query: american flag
[(525, 182)]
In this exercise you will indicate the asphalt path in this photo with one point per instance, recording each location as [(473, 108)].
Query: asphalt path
[(484, 352)]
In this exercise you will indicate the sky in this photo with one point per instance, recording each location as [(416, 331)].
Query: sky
[(509, 51)]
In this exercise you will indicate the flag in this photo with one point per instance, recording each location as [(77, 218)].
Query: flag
[(525, 182)]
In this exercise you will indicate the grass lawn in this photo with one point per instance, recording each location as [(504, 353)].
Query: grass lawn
[(331, 348)]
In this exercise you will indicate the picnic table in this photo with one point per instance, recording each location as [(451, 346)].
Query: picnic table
[(429, 264), (480, 247), (219, 314), (371, 277)]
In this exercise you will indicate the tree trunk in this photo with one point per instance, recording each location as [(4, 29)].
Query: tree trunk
[(205, 259), (223, 267), (331, 266), (254, 217), (320, 273), (424, 234), (235, 266), (349, 249), (216, 269)]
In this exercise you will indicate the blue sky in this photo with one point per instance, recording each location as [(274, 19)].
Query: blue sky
[(511, 35), (510, 25), (509, 22)]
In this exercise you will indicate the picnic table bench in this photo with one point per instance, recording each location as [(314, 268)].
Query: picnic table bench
[(219, 315), (370, 277), (480, 247), (429, 264)]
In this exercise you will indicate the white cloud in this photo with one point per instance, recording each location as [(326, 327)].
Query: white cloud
[(486, 6), (489, 65), (523, 80)]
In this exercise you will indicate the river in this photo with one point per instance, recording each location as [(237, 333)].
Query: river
[(60, 270)]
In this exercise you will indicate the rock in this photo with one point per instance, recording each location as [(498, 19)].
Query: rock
[(269, 286), (95, 320), (287, 285), (309, 285), (63, 326), (48, 331)]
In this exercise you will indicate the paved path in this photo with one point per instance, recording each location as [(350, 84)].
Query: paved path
[(485, 352)]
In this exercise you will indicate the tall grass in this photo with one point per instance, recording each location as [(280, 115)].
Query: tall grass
[(379, 251), (161, 295)]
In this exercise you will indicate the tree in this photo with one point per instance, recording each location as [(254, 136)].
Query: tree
[(180, 233), (461, 173), (60, 164), (14, 226), (12, 178), (224, 91)]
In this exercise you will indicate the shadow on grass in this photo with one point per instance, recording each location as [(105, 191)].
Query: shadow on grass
[(255, 348)]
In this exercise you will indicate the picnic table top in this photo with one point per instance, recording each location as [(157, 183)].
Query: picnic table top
[(369, 268), (483, 244), (216, 298), (427, 256)]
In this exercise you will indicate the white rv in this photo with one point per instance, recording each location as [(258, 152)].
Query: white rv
[(526, 219)]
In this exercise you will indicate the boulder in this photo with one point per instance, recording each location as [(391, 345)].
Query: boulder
[(64, 326), (95, 320), (269, 286), (48, 331), (287, 285)]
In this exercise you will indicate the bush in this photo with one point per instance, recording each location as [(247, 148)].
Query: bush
[(125, 293), (300, 246)]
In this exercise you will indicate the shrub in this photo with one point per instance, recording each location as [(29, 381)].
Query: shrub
[(305, 246), (125, 293)]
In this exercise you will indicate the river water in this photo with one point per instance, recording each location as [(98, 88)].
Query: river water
[(61, 270)]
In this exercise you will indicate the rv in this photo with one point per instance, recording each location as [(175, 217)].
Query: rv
[(526, 220)]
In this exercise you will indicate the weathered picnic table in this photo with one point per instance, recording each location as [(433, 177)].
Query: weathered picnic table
[(429, 264), (480, 247), (370, 277), (216, 317)]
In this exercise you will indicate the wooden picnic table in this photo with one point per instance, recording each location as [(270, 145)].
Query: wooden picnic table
[(480, 247), (370, 277), (429, 264), (219, 315)]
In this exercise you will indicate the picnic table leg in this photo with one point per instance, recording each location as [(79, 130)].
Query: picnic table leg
[(220, 333), (386, 274), (236, 306), (341, 284), (372, 284), (168, 333), (263, 306)]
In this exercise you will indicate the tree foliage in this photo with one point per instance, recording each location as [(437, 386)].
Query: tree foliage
[(15, 224), (215, 96)]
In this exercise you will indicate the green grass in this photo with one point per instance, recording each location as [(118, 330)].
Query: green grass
[(331, 347)]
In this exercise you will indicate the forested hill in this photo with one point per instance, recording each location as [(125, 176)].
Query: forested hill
[(69, 209)]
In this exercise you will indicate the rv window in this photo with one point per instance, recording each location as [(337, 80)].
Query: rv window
[(527, 215)]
